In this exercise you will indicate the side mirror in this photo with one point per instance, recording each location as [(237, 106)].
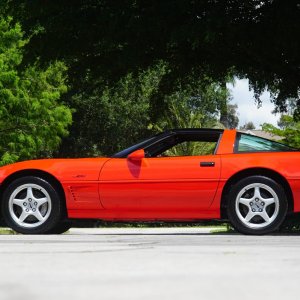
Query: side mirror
[(137, 155)]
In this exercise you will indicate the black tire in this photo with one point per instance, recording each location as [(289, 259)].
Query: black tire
[(61, 227), (49, 212), (250, 205)]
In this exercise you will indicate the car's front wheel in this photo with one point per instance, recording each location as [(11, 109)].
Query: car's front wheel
[(31, 205), (61, 227), (257, 205)]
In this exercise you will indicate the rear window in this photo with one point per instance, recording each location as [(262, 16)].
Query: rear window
[(251, 143)]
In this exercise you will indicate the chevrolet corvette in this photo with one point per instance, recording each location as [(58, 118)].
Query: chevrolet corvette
[(178, 175)]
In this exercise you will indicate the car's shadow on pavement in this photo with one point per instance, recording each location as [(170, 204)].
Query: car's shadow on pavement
[(171, 231), (174, 232), (197, 234)]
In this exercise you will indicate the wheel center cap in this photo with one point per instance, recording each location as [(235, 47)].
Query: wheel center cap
[(30, 205), (257, 205)]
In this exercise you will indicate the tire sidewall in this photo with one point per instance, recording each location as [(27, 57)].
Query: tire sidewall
[(231, 207), (56, 209)]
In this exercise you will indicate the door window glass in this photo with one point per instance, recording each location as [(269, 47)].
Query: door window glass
[(191, 148)]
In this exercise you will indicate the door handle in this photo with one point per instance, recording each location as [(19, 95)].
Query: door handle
[(207, 164)]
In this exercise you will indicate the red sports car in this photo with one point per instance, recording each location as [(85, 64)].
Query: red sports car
[(178, 175)]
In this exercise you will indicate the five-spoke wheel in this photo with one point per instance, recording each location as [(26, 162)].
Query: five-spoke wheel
[(31, 205), (257, 205)]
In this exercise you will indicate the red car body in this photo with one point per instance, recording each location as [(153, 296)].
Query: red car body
[(159, 188)]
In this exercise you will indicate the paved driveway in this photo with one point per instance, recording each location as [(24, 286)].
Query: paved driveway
[(141, 264)]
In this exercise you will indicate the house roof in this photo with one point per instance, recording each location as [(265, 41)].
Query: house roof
[(263, 134)]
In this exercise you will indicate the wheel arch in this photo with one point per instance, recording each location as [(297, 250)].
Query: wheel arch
[(38, 173), (256, 172)]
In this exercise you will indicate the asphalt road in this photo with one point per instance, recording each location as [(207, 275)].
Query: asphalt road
[(149, 264)]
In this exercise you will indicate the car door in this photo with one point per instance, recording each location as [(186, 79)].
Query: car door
[(160, 183)]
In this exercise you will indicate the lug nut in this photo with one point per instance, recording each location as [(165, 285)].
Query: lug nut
[(33, 209), (260, 210), (27, 209), (25, 204), (253, 210), (256, 199), (29, 199), (251, 203), (263, 203), (35, 203)]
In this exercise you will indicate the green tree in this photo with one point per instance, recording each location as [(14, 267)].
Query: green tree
[(256, 39), (32, 119), (289, 129), (113, 117), (103, 41), (232, 117), (248, 126), (193, 105)]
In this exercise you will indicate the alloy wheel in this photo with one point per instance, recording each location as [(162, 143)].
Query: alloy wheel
[(30, 205), (257, 205)]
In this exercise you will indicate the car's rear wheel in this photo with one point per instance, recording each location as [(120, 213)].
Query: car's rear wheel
[(31, 205), (257, 205)]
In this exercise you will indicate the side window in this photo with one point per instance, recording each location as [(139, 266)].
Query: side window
[(191, 148), (250, 143), (185, 144)]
